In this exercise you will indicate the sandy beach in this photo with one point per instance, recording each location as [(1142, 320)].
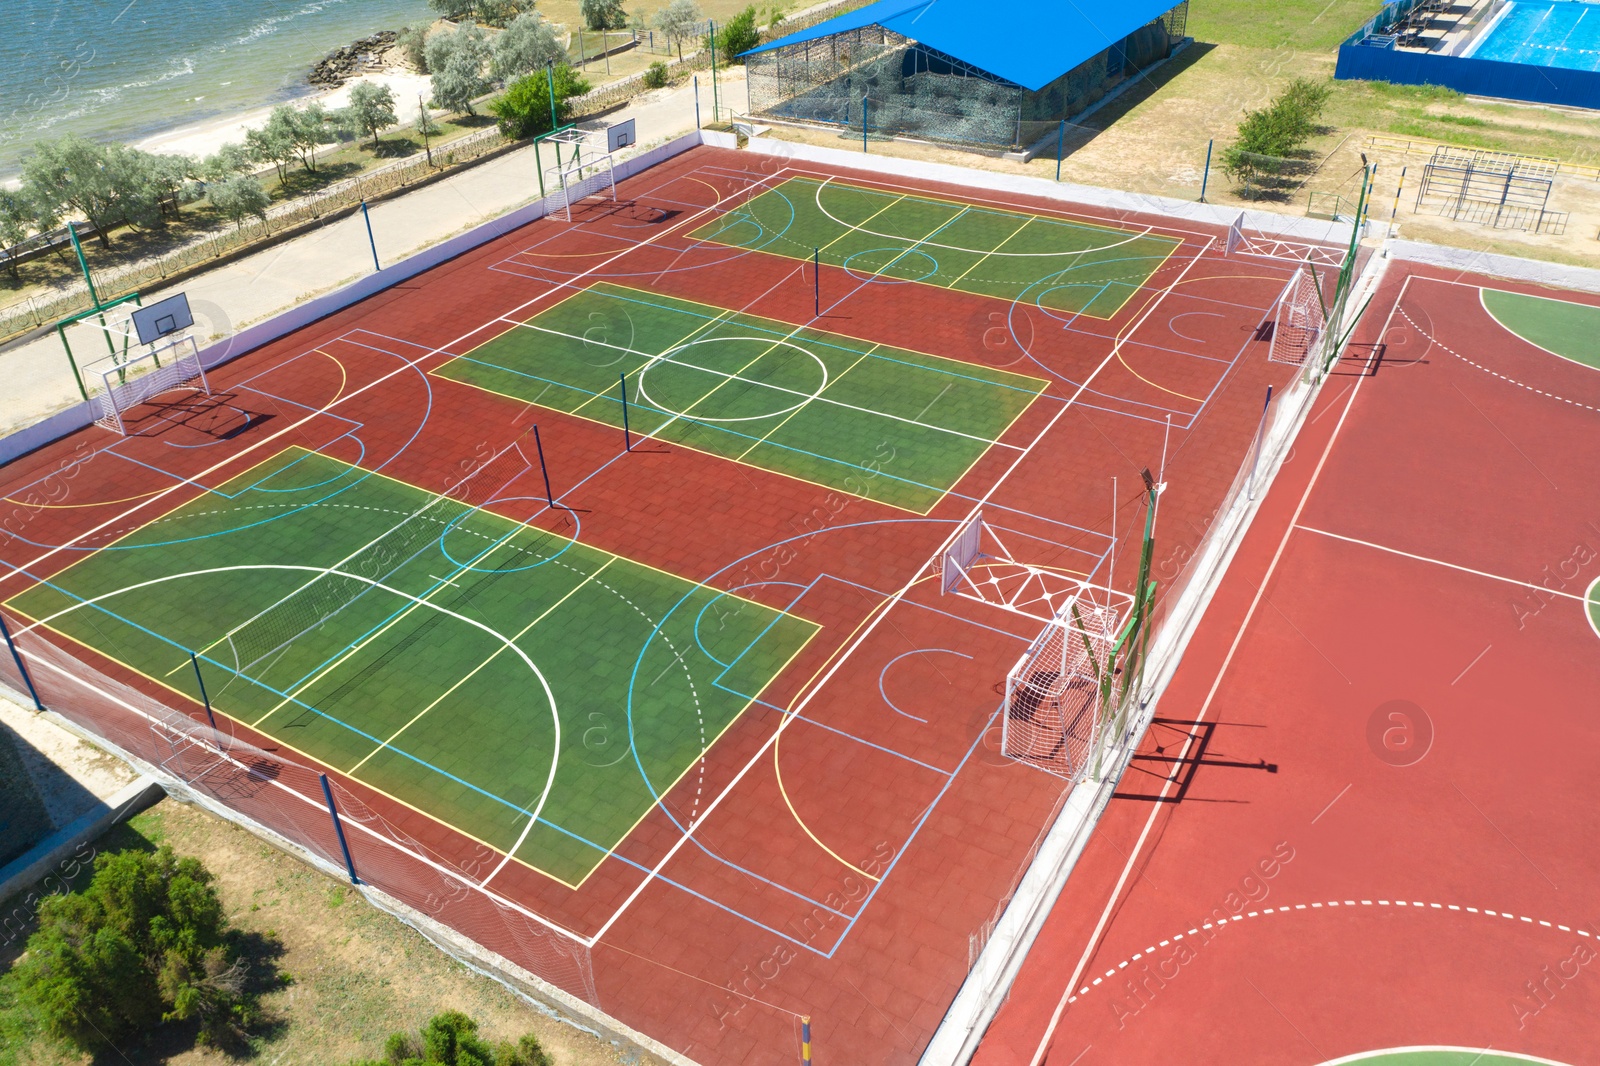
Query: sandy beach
[(203, 138)]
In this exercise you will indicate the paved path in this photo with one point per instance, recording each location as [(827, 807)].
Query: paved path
[(38, 382)]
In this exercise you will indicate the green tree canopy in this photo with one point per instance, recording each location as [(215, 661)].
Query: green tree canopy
[(18, 219), (372, 108), (528, 44), (524, 108), (737, 35), (603, 14), (271, 144), (458, 61), (412, 41), (453, 9), (224, 163), (146, 942), (239, 197), (105, 184)]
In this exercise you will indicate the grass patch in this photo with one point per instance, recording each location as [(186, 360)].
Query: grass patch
[(346, 977), (1302, 25)]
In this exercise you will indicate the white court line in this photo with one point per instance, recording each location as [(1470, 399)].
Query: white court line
[(727, 377), (1216, 683), (1439, 562), (408, 364), (866, 631)]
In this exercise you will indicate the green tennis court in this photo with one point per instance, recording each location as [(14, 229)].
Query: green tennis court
[(1560, 327), (892, 425), (1072, 267), (475, 668)]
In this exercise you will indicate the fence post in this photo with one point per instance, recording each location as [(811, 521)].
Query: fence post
[(863, 123), (338, 829), (22, 669), (714, 108), (696, 100), (366, 217), (1206, 177), (1061, 145)]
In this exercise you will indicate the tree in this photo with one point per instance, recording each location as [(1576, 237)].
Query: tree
[(224, 163), (146, 942), (503, 12), (458, 60), (271, 144), (737, 36), (17, 222), (453, 9), (309, 129), (239, 196), (524, 108), (678, 22), (372, 108), (603, 14), (451, 1039), (655, 75), (172, 177), (528, 44), (412, 41), (106, 185)]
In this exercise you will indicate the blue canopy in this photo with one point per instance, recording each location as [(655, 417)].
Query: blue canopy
[(1029, 43)]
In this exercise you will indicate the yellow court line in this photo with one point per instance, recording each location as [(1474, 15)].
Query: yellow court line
[(856, 227), (1171, 392), (474, 671), (777, 771), (993, 250)]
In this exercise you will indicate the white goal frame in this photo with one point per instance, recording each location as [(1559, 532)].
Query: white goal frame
[(119, 383), (1265, 246), (572, 184), (1298, 319)]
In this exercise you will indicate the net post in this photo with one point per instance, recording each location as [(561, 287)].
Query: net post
[(538, 444), (805, 1040), (16, 657), (1205, 178), (367, 218), (205, 697), (61, 331), (1261, 433), (627, 437), (338, 829), (816, 282)]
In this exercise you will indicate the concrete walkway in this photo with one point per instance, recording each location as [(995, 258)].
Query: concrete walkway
[(38, 381)]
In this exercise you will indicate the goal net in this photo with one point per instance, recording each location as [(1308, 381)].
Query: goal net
[(1299, 319), (578, 181), (1057, 693), (119, 383)]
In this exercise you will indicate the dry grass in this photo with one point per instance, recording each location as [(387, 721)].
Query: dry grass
[(356, 974)]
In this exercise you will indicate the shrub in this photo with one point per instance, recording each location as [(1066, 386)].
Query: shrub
[(146, 942), (655, 75), (736, 36), (451, 1039), (524, 109)]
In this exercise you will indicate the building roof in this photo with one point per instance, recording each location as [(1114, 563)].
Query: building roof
[(1027, 42)]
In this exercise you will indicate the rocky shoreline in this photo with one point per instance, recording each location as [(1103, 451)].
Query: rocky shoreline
[(366, 56)]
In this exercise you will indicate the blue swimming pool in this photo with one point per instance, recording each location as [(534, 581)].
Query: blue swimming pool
[(1546, 33)]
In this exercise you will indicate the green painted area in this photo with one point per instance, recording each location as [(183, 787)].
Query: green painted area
[(1594, 606), (429, 681), (1439, 1057), (891, 425), (1070, 267), (1561, 327)]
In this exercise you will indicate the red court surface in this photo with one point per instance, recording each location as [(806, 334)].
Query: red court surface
[(839, 850), (1364, 818)]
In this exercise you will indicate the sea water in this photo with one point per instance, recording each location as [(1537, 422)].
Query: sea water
[(128, 69)]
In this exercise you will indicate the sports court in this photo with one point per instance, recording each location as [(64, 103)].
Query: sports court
[(1545, 33), (594, 577), (1368, 784)]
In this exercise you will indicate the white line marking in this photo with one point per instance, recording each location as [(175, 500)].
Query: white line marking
[(1439, 562)]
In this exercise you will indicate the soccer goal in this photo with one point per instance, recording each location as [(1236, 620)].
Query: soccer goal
[(578, 181), (1058, 693), (1298, 320), (119, 383)]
